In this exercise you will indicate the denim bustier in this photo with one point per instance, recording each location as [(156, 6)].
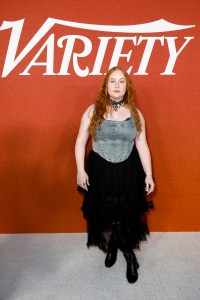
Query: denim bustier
[(114, 140)]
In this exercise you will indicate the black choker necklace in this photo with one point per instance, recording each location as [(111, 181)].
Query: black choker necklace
[(116, 105)]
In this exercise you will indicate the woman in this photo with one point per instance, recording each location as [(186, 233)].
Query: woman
[(119, 171)]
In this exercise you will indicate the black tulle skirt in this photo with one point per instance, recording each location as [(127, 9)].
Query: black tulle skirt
[(116, 194)]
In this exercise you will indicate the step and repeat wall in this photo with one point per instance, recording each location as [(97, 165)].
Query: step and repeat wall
[(53, 56)]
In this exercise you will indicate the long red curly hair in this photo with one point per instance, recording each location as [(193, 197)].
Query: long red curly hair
[(102, 104)]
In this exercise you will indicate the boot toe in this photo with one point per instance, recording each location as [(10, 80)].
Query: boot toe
[(110, 260)]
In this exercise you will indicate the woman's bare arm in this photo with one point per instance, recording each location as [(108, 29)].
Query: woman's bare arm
[(145, 156), (82, 138)]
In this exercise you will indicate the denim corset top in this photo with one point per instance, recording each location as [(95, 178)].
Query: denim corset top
[(114, 140)]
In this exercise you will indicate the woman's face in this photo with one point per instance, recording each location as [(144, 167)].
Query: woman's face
[(116, 85)]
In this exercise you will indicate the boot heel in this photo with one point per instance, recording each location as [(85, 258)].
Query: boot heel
[(137, 264), (111, 256), (132, 266)]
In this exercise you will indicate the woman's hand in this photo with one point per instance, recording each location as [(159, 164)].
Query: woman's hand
[(150, 185), (83, 180)]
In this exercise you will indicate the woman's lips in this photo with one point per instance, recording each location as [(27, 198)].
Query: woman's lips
[(116, 91)]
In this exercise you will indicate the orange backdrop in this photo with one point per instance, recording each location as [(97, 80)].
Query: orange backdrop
[(40, 114)]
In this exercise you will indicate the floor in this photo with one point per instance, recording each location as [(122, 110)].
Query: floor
[(60, 267)]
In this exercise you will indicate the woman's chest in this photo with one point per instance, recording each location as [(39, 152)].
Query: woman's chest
[(117, 130)]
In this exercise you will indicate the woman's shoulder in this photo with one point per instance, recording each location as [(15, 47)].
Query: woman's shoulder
[(89, 111), (142, 120), (140, 115)]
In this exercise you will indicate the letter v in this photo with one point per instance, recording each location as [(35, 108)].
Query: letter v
[(11, 60)]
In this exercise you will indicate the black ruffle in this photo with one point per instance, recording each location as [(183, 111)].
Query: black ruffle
[(116, 193)]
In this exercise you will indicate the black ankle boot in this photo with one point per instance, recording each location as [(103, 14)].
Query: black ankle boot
[(132, 266), (121, 235), (111, 256)]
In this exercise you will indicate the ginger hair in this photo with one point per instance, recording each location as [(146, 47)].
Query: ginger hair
[(102, 105)]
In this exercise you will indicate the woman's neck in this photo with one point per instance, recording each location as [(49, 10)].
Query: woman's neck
[(116, 100)]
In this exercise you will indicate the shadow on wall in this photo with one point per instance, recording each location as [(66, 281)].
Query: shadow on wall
[(34, 180)]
